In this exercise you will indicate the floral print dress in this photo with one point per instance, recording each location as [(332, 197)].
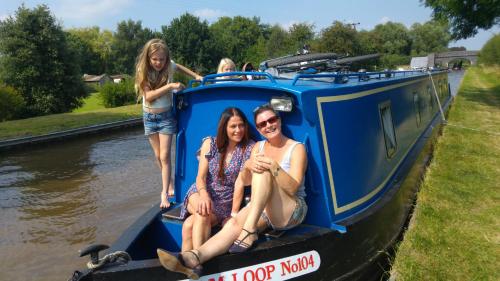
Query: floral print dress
[(221, 192)]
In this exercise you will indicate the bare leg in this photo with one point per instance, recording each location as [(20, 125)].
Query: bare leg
[(220, 242), (161, 147), (266, 195), (202, 229), (200, 226), (187, 234), (262, 188)]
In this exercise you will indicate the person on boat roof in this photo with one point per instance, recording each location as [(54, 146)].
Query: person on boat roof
[(226, 65), (218, 191), (276, 172), (154, 85)]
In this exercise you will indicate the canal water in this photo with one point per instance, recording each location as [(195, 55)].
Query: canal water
[(56, 199)]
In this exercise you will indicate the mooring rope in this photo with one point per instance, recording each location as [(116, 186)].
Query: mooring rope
[(118, 256), (437, 98)]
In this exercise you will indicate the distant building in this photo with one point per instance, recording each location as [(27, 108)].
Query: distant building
[(419, 63), (97, 80), (119, 77)]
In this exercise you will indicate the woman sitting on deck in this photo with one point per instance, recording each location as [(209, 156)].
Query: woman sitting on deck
[(210, 201), (276, 172)]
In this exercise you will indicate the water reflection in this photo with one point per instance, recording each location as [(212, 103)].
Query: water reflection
[(58, 198), (455, 78)]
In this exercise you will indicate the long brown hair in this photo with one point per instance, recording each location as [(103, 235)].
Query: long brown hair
[(145, 75), (222, 141)]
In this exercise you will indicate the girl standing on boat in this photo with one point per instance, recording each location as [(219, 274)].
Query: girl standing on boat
[(276, 172), (210, 201), (154, 84)]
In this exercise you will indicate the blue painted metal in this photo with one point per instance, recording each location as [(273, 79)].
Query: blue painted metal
[(360, 170)]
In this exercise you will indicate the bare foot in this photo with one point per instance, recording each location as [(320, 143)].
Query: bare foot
[(164, 201)]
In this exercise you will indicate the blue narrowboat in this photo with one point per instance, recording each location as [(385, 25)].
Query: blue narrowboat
[(368, 137)]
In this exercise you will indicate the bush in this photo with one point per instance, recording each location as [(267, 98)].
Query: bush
[(392, 60), (490, 53), (11, 103), (118, 94)]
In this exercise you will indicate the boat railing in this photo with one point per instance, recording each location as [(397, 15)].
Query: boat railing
[(234, 76), (340, 78)]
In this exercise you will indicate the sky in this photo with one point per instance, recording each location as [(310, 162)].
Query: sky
[(154, 14)]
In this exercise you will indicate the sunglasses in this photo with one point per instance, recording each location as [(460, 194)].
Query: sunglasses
[(271, 121)]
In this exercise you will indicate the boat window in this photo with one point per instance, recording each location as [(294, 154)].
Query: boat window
[(416, 106), (388, 128)]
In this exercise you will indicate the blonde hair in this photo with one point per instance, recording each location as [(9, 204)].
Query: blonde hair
[(223, 62), (145, 75)]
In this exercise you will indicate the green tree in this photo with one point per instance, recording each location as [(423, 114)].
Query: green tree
[(234, 36), (301, 34), (279, 43), (339, 38), (11, 103), (430, 37), (392, 40), (366, 40), (89, 61), (37, 61), (129, 38), (490, 53), (100, 43), (191, 43), (466, 17), (257, 53)]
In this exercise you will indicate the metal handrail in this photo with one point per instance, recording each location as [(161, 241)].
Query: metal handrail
[(360, 75), (213, 77)]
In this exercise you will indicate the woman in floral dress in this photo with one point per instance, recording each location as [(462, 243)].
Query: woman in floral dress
[(217, 193)]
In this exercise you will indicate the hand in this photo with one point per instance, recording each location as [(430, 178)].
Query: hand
[(204, 204), (164, 201), (177, 86), (261, 163), (198, 77)]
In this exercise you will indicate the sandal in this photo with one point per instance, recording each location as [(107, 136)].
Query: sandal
[(239, 246), (174, 262)]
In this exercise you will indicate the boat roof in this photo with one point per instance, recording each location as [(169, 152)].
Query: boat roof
[(299, 83)]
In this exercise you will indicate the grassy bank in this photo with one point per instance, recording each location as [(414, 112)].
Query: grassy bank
[(455, 230), (59, 122), (93, 102)]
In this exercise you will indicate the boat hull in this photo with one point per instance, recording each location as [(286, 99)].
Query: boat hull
[(361, 253)]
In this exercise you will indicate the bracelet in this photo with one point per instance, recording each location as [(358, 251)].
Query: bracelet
[(233, 214)]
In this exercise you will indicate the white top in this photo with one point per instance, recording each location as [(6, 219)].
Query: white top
[(285, 165), (165, 101)]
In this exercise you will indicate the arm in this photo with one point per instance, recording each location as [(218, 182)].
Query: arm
[(289, 182), (188, 72), (205, 203), (152, 95)]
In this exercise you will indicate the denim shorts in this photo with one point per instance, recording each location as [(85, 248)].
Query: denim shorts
[(163, 123), (298, 215)]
